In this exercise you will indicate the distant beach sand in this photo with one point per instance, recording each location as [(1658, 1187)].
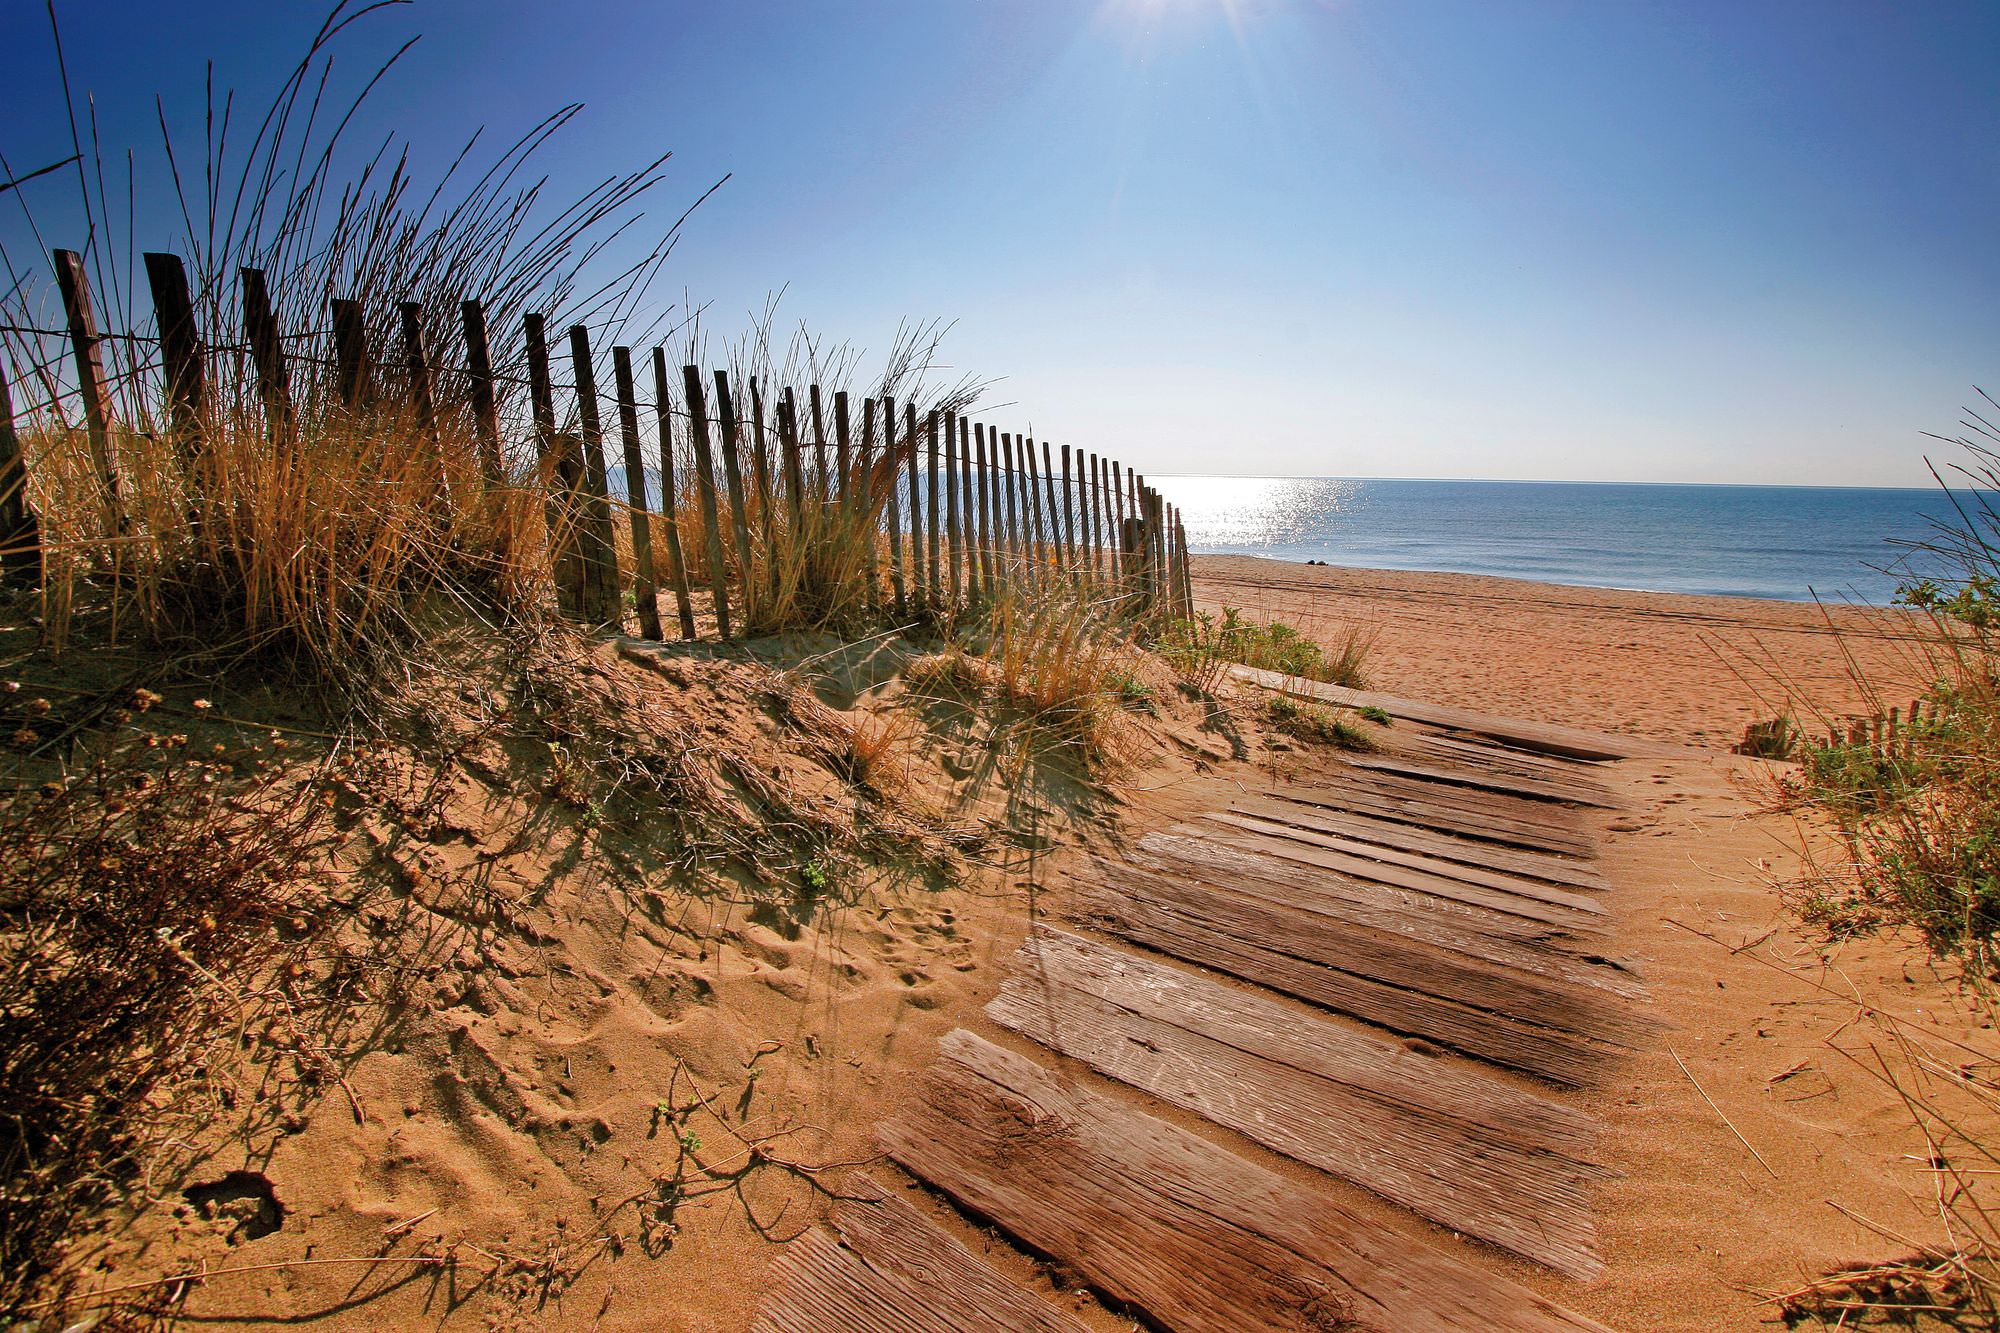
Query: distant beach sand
[(1670, 666)]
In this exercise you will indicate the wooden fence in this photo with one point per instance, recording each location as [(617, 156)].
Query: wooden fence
[(952, 511)]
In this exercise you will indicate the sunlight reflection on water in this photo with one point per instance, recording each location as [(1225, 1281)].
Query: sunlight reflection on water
[(1754, 541)]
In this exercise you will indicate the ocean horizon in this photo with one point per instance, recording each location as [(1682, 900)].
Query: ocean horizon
[(1784, 543)]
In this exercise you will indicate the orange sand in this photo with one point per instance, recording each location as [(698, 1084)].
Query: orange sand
[(1694, 670)]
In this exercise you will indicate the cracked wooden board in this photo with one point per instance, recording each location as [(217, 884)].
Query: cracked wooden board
[(1447, 1139), (880, 1265), (1191, 1235), (1540, 737), (1393, 858), (1546, 1026), (1513, 823), (1548, 790), (1447, 924), (1579, 918), (1552, 869)]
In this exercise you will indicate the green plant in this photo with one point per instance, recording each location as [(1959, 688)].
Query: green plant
[(1311, 722), (1379, 716), (1199, 649), (1134, 692)]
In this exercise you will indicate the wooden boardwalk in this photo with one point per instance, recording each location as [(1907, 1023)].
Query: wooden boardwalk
[(1393, 976)]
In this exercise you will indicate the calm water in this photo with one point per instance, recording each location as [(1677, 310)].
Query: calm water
[(1746, 541)]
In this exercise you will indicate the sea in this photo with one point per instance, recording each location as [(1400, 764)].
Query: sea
[(1790, 543)]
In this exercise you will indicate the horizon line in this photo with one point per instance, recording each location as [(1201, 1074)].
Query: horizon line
[(1558, 481)]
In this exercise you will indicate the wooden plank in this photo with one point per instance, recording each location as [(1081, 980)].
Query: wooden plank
[(1186, 1233), (761, 483), (983, 512), (1009, 480), (1486, 937), (1447, 923), (599, 536), (1386, 833), (880, 1265), (417, 366), (646, 583), (180, 352), (353, 373), (730, 442), (1312, 956), (1544, 737), (933, 567), (1467, 815), (704, 491), (663, 413), (484, 401), (918, 597), (1589, 919), (893, 506), (954, 535), (1455, 957), (87, 350), (267, 352), (1480, 751), (1498, 762), (1387, 857), (556, 470), (842, 438), (795, 472), (1534, 789), (1447, 1140)]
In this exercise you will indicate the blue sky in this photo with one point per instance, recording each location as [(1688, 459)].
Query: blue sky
[(1620, 241)]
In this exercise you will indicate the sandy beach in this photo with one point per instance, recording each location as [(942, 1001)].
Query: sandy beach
[(1683, 669)]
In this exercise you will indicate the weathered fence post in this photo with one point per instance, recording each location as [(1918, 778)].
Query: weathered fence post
[(1069, 508), (934, 585), (762, 486), (600, 544), (893, 508), (1031, 489), (669, 504), (966, 544), (864, 483), (180, 353), (87, 348), (350, 353), (646, 584), (417, 363), (842, 482), (20, 533), (1052, 507), (987, 508), (1010, 479), (267, 352), (1156, 551), (819, 440), (1100, 555), (788, 440), (954, 541), (704, 489), (485, 403), (557, 473), (923, 517), (732, 474)]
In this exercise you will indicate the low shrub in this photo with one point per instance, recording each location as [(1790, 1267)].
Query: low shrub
[(1311, 722), (1200, 649)]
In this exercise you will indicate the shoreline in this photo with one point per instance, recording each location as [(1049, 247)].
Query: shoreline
[(1685, 668)]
